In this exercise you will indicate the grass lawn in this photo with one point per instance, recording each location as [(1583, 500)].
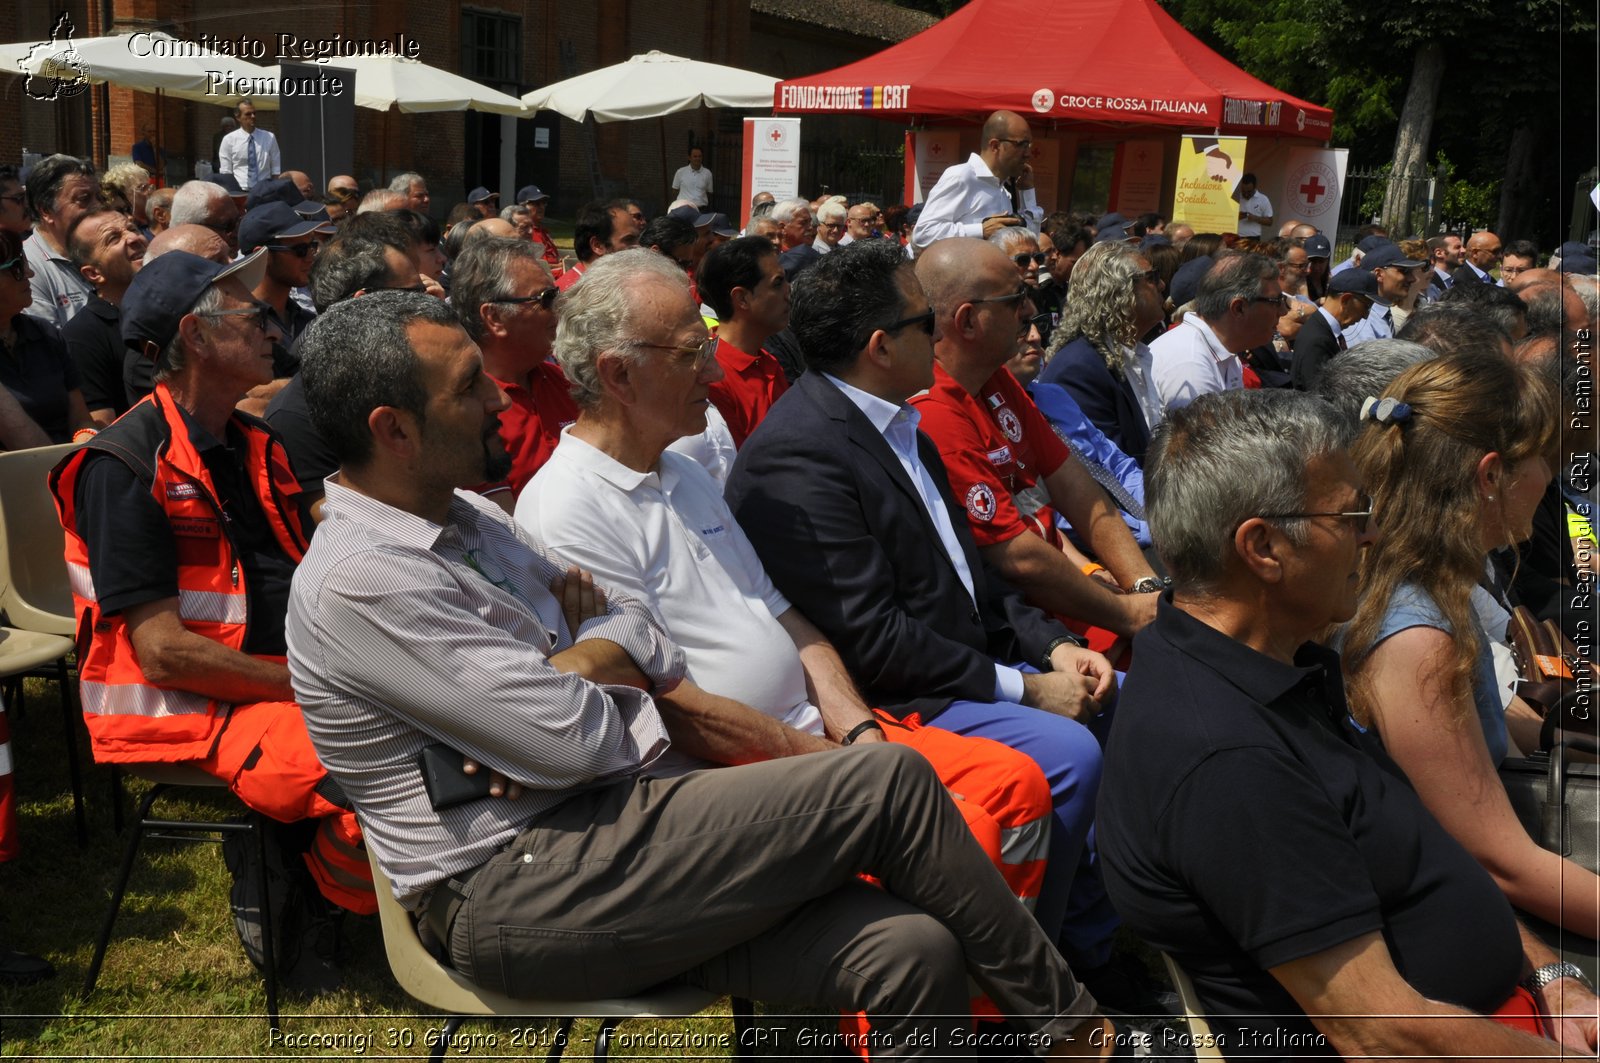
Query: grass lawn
[(176, 984)]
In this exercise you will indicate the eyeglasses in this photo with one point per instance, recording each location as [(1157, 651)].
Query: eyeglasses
[(839, 225), (1505, 271), (924, 321), (702, 353), (1023, 144), (545, 297), (1280, 301), (1037, 258), (1361, 517), (17, 267), (18, 198), (1020, 293), (311, 247), (260, 311)]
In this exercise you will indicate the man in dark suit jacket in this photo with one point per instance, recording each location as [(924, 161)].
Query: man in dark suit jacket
[(1444, 252), (1351, 297), (850, 511), (1483, 252)]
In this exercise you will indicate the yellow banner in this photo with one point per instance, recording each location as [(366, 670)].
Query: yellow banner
[(1209, 169)]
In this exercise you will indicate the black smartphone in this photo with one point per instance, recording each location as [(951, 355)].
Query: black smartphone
[(447, 785)]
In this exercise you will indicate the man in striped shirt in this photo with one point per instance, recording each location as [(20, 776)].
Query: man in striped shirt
[(420, 616)]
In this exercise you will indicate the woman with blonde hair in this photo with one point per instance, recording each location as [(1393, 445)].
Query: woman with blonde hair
[(127, 188), (1455, 456), (1096, 353)]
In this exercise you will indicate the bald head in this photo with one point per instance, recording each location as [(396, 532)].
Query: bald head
[(1530, 277), (951, 272), (488, 227), (1007, 142), (195, 239)]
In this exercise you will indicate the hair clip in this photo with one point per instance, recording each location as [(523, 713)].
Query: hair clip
[(1385, 411)]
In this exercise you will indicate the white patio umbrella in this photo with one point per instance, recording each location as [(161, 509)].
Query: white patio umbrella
[(384, 81), (650, 86), (145, 61)]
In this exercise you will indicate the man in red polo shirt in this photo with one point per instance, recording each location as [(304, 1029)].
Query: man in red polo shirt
[(744, 284), (535, 201), (1006, 464), (505, 299)]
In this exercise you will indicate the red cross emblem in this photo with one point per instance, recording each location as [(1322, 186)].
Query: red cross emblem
[(1312, 189), (775, 135)]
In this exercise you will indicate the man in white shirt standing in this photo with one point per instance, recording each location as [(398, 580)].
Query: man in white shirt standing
[(992, 190), (1255, 209), (250, 154), (693, 182)]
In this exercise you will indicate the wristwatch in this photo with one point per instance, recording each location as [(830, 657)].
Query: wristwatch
[(1045, 664), (1550, 972), (1149, 585)]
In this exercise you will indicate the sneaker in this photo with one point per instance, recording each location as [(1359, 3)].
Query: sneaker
[(1125, 986), (242, 857), (19, 968)]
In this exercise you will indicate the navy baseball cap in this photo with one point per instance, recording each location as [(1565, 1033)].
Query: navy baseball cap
[(1584, 264), (529, 194), (1360, 282), (1154, 240), (274, 190), (1388, 254), (1186, 282), (276, 221), (228, 183), (1108, 221), (1369, 242), (690, 214), (722, 226), (167, 289), (1318, 247), (479, 194), (1572, 248), (1111, 234)]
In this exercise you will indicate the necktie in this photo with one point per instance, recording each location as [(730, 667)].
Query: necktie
[(250, 159), (1388, 322), (1343, 346), (1104, 477)]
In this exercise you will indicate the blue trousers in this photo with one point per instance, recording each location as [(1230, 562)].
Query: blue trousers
[(1073, 907)]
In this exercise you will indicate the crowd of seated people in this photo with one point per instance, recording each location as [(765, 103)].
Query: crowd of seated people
[(906, 626)]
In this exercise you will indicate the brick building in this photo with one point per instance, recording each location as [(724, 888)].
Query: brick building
[(511, 45)]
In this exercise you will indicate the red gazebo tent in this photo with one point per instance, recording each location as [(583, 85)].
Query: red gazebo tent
[(1117, 63)]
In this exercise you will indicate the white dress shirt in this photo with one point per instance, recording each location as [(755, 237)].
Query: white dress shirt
[(233, 156), (898, 425), (965, 195)]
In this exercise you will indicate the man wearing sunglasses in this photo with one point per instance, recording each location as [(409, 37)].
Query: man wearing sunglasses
[(292, 243), (184, 524), (504, 296), (992, 190)]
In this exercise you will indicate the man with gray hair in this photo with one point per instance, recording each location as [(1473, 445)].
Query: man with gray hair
[(415, 188), (207, 204), (1366, 369), (1247, 824), (797, 231), (741, 880), (1237, 307), (61, 189), (382, 199), (505, 298)]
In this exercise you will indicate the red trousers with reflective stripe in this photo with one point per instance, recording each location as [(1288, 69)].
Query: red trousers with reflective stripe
[(265, 756), (1006, 802), (10, 843)]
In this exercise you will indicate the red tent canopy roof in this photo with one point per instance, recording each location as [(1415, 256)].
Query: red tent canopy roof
[(1104, 61)]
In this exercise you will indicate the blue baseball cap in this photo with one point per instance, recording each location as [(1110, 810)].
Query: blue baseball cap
[(529, 194), (1388, 254), (274, 190), (1362, 282), (479, 194), (275, 221), (1186, 282), (166, 289), (228, 182), (1318, 247)]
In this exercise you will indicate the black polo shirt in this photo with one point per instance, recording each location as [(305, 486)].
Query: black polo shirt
[(1245, 821), (309, 453), (38, 372), (133, 551), (94, 340)]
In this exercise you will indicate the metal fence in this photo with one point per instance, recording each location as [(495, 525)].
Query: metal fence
[(1364, 191)]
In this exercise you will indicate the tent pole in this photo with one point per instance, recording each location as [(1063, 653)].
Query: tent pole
[(666, 178)]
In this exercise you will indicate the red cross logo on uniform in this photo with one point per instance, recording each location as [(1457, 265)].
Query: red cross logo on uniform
[(1312, 189)]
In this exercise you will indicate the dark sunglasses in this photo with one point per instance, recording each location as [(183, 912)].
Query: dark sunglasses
[(1021, 293), (260, 313), (1037, 258), (298, 250), (17, 267), (546, 298), (924, 321)]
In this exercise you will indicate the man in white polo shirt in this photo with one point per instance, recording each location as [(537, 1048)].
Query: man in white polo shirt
[(693, 182), (1255, 209)]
